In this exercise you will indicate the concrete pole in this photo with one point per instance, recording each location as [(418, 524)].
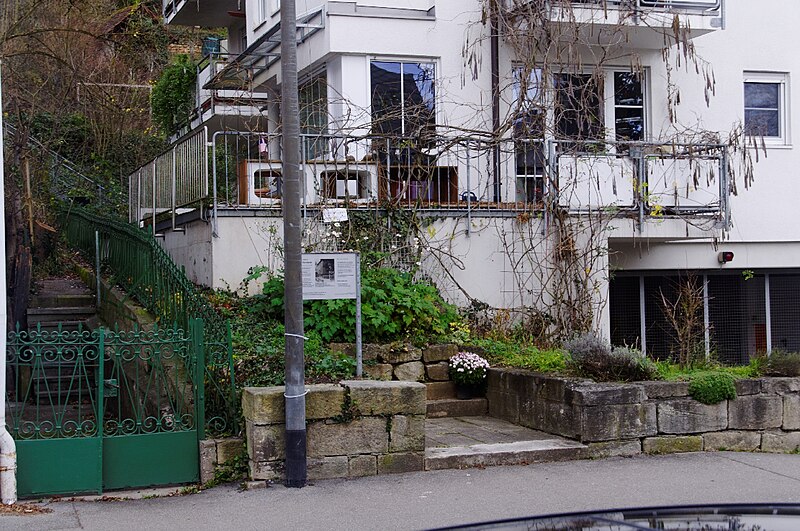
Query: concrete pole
[(295, 394), (8, 449)]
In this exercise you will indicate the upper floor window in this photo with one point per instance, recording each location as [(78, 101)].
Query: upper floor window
[(766, 106), (608, 106), (403, 98)]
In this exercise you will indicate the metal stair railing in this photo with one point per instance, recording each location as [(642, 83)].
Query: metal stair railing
[(147, 273)]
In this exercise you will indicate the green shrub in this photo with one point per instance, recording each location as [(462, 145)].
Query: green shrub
[(393, 306), (591, 357), (514, 354), (781, 363), (712, 387), (171, 98)]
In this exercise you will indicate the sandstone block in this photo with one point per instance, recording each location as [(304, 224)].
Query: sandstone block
[(208, 458), (324, 401), (780, 442), (665, 389), (362, 465), (228, 449), (348, 349), (361, 436), (440, 390), (780, 386), (327, 467), (387, 398), (503, 405), (379, 371), (413, 371), (265, 442), (755, 412), (791, 412), (614, 449), (600, 394), (397, 463), (264, 405), (745, 441), (438, 372), (685, 415), (400, 353), (551, 416), (748, 387), (621, 421), (407, 433), (672, 445), (271, 471), (434, 353), (373, 352)]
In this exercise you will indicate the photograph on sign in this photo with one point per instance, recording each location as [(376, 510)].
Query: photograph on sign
[(329, 276)]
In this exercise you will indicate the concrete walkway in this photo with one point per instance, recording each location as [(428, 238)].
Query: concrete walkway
[(463, 442), (447, 497)]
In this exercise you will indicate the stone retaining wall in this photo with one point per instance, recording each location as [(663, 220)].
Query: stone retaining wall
[(403, 361), (354, 428), (650, 417)]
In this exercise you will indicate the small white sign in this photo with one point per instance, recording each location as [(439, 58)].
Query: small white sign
[(329, 276), (332, 215)]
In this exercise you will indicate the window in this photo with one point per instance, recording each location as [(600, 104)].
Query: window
[(313, 96), (582, 112), (765, 106), (262, 13), (403, 98)]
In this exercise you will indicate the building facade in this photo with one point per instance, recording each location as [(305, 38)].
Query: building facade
[(588, 164)]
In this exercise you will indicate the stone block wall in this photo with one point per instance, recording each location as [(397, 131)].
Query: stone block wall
[(354, 428), (403, 361), (650, 417)]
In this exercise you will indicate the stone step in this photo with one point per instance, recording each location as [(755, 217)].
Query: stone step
[(54, 300), (440, 390), (511, 453), (55, 314), (453, 407)]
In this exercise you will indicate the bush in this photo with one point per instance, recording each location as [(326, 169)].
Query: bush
[(393, 306), (171, 98), (781, 363), (712, 387), (591, 357)]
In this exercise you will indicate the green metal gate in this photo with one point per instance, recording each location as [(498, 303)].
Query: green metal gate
[(100, 410)]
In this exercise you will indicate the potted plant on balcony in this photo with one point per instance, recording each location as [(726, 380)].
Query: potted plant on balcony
[(468, 372)]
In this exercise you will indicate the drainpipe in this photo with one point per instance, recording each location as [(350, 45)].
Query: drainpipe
[(494, 44), (8, 449)]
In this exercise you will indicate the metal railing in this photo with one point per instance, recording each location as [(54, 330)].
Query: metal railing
[(458, 174), (147, 274), (175, 179)]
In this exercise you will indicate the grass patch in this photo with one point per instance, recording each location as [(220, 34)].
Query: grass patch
[(502, 353), (674, 373)]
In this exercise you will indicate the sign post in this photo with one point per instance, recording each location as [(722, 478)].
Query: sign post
[(335, 276)]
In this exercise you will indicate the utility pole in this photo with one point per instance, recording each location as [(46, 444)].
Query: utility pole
[(293, 287)]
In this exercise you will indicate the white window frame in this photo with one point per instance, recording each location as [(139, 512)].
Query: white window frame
[(781, 79), (274, 7), (436, 71)]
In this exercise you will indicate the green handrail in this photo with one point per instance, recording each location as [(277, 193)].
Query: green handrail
[(147, 273)]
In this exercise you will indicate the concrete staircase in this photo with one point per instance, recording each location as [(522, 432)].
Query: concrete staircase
[(459, 434), (442, 402), (64, 304)]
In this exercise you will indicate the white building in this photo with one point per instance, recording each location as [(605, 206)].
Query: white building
[(615, 168)]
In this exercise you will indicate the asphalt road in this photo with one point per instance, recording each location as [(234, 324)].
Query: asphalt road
[(431, 499)]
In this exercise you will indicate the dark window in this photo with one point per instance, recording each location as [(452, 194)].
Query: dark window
[(579, 113), (403, 98), (628, 107), (762, 109), (314, 116)]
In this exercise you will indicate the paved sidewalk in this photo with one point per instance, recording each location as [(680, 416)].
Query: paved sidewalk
[(448, 497)]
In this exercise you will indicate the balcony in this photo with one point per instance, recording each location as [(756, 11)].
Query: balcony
[(639, 24), (637, 181), (203, 13), (234, 109)]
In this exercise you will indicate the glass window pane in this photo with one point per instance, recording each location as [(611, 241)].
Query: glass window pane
[(762, 95), (629, 123), (627, 89), (419, 94), (386, 97), (762, 123), (578, 111)]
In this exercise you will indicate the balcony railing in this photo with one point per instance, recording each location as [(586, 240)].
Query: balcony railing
[(635, 180)]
